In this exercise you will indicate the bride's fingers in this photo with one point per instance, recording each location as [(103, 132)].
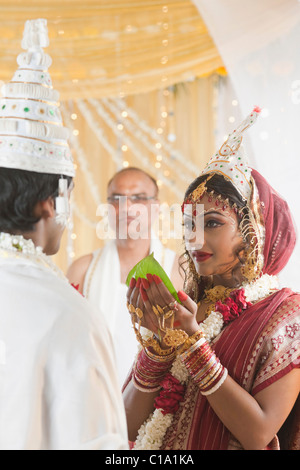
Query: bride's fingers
[(135, 294), (185, 311), (150, 319), (187, 302), (156, 301), (157, 291), (130, 288)]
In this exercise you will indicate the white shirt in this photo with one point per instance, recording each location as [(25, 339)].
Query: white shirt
[(58, 386)]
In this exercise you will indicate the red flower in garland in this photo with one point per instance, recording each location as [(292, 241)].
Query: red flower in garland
[(233, 306), (225, 310), (171, 395), (238, 296)]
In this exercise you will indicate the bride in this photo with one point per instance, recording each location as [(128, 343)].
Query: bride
[(221, 369)]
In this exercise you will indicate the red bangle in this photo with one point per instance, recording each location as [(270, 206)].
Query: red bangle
[(204, 366), (150, 369)]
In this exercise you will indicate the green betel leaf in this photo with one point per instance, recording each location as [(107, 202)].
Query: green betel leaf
[(149, 265)]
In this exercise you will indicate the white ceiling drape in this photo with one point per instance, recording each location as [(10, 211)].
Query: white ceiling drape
[(259, 44)]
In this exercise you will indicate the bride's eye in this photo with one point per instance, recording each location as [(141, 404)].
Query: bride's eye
[(213, 223)]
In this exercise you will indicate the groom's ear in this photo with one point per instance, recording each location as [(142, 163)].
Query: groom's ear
[(45, 209)]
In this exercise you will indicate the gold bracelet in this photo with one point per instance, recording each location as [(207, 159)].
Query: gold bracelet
[(175, 338), (153, 342), (190, 341)]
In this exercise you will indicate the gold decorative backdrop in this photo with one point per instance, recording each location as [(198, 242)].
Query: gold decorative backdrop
[(106, 47)]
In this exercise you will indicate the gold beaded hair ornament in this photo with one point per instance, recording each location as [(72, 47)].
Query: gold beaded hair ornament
[(32, 135), (231, 162)]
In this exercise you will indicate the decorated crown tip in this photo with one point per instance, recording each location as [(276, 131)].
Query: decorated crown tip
[(35, 34), (257, 109)]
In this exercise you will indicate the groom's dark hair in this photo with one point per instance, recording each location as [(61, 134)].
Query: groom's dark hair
[(20, 191)]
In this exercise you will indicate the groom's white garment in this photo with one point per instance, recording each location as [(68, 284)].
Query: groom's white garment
[(58, 386), (103, 288)]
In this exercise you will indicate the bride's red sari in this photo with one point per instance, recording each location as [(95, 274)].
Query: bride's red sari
[(258, 348)]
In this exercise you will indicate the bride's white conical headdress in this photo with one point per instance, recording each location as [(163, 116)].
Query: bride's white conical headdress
[(231, 161)]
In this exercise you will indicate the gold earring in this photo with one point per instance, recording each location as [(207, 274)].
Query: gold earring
[(249, 268), (191, 285)]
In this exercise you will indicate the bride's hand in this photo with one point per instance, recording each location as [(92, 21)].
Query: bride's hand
[(136, 296), (153, 292)]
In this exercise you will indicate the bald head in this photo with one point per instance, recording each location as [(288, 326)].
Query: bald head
[(134, 174)]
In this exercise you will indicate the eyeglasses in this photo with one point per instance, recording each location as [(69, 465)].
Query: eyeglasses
[(133, 198)]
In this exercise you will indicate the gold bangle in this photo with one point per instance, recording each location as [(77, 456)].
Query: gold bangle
[(175, 338), (190, 341), (152, 342)]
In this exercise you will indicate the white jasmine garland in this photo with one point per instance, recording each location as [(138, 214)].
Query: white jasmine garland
[(212, 325), (179, 371), (18, 243), (152, 432), (260, 288), (17, 246)]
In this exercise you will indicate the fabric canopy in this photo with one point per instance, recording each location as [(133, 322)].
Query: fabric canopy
[(113, 47), (259, 43)]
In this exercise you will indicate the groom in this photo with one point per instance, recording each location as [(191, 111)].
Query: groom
[(59, 389)]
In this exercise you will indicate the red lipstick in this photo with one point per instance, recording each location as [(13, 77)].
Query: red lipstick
[(201, 256)]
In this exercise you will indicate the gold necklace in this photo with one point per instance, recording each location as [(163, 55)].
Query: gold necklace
[(213, 295)]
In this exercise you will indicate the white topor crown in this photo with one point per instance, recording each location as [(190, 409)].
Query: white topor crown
[(32, 135)]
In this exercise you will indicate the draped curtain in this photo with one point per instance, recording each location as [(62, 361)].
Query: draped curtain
[(259, 44)]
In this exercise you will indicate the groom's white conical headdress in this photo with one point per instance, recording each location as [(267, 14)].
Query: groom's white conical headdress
[(32, 135)]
